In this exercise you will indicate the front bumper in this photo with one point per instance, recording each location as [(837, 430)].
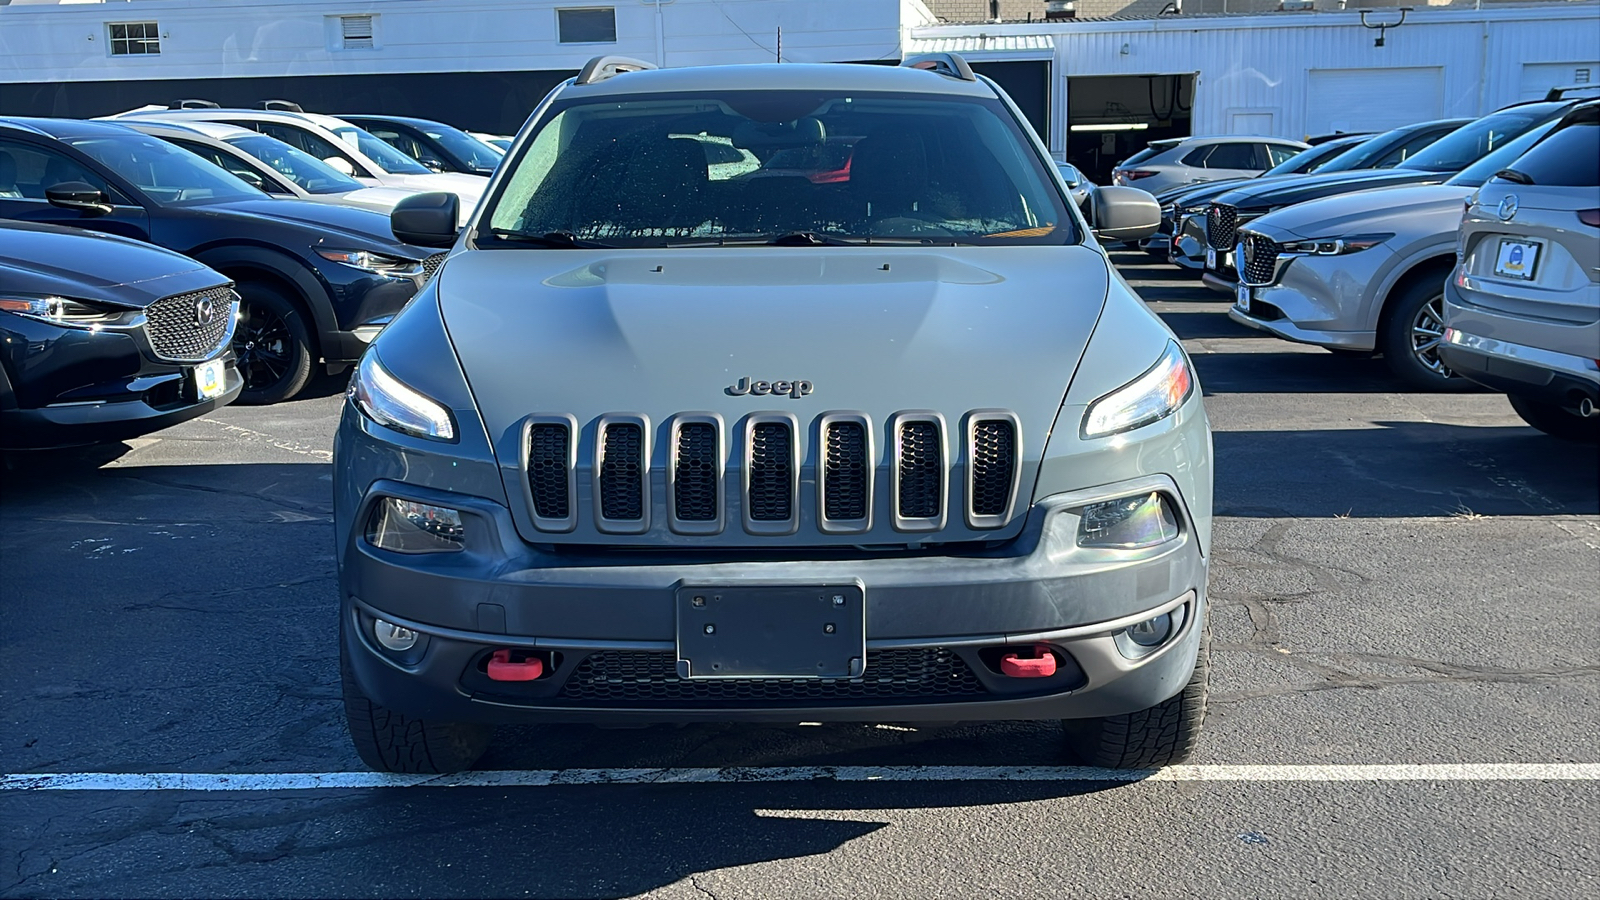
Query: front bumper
[(154, 402), (956, 611)]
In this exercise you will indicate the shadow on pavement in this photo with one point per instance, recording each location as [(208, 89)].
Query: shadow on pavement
[(1294, 372)]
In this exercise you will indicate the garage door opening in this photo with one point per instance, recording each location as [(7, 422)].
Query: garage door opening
[(1111, 117)]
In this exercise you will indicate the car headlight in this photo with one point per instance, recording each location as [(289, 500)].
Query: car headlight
[(367, 261), (1128, 523), (404, 526), (1335, 246), (384, 399), (60, 310), (1149, 398)]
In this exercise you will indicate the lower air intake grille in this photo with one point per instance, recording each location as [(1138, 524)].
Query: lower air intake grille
[(621, 471), (994, 460), (624, 678), (1222, 226), (845, 472), (549, 445), (694, 485), (190, 327), (1260, 261), (771, 472), (921, 471)]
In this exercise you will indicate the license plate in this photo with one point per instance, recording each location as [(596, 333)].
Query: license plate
[(1241, 298), (777, 631), (210, 379), (1516, 260), (1211, 258)]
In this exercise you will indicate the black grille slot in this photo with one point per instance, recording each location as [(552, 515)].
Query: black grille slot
[(622, 471), (694, 485), (190, 327), (994, 462), (625, 678), (549, 449), (1260, 259), (921, 470), (430, 266), (845, 470), (1222, 227), (771, 472)]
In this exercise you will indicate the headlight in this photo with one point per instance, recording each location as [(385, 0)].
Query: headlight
[(60, 310), (367, 261), (1151, 397), (385, 400), (1128, 523), (1335, 246), (407, 527)]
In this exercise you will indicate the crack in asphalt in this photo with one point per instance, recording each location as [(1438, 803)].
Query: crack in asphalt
[(694, 879), (252, 495)]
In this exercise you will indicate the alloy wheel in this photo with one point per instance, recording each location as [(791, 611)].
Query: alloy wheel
[(263, 345), (1427, 330)]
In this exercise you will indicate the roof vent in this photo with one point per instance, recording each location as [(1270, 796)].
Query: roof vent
[(279, 106), (356, 32), (193, 104), (602, 67)]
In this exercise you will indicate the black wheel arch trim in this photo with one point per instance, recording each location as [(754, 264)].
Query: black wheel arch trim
[(310, 291)]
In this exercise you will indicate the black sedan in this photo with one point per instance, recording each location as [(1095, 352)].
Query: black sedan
[(436, 145), (317, 281), (104, 338)]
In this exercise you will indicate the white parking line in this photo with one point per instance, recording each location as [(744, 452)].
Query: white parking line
[(306, 781)]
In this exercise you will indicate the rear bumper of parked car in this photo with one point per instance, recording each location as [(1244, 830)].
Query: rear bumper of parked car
[(593, 614), (1516, 368)]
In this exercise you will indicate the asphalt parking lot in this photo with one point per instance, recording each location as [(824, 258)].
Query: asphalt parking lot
[(1398, 579)]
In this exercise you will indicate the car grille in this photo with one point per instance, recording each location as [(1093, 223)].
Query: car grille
[(697, 473), (624, 678), (920, 494), (549, 469), (430, 266), (771, 468), (846, 472), (191, 327), (1260, 259), (994, 462), (1222, 227), (622, 472)]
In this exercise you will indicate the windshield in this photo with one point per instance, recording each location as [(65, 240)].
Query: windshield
[(167, 174), (1460, 148), (1313, 159), (802, 167), (388, 158), (311, 174), (473, 153), (1483, 170)]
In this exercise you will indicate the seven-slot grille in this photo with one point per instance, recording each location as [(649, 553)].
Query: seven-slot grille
[(430, 266), (768, 463), (1222, 227), (191, 327), (1260, 259)]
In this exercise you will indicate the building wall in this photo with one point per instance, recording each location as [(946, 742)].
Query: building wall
[(958, 12)]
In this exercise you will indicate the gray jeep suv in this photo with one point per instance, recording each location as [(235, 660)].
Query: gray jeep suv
[(665, 440)]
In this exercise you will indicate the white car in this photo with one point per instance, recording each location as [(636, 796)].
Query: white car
[(339, 144), (500, 142), (1170, 163), (272, 165)]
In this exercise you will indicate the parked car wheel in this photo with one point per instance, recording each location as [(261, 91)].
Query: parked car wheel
[(1556, 421), (388, 741), (1163, 735), (272, 344), (1410, 336)]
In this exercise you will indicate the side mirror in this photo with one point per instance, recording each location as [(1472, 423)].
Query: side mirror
[(1123, 214), (79, 196), (433, 165), (426, 220), (252, 178), (340, 164)]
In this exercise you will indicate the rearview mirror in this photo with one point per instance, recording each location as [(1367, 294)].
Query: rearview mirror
[(1123, 214), (79, 196), (426, 220), (341, 165)]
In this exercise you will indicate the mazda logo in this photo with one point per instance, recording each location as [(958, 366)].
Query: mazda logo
[(204, 311), (1508, 208)]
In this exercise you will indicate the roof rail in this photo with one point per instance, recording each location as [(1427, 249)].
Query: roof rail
[(602, 67), (279, 106), (949, 65), (193, 104), (1560, 93)]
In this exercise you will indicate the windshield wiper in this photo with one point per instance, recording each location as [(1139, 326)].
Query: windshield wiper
[(1514, 175), (806, 239), (565, 240)]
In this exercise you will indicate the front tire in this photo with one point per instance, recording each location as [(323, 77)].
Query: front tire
[(1411, 333), (1163, 735), (272, 345), (1556, 421), (388, 741)]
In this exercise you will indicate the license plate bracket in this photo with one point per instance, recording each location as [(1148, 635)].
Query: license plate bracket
[(1516, 259), (1211, 258), (771, 630), (1241, 298), (210, 379)]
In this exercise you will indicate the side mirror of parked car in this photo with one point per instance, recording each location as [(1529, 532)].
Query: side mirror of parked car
[(340, 165), (426, 220), (78, 195), (1123, 213)]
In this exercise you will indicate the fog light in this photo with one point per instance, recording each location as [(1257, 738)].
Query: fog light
[(393, 636), (407, 527), (1144, 638), (1128, 523)]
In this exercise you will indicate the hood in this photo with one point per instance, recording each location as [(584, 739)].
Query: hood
[(1279, 192), (331, 222), (1415, 211), (875, 332), (44, 259), (469, 188), (378, 199), (1185, 192)]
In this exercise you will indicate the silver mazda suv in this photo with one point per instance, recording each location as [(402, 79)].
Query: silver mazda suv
[(866, 430)]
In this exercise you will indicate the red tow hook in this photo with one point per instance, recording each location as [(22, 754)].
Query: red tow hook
[(1042, 664), (503, 668)]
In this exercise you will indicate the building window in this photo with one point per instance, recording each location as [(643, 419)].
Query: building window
[(135, 39), (587, 26), (356, 32)]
